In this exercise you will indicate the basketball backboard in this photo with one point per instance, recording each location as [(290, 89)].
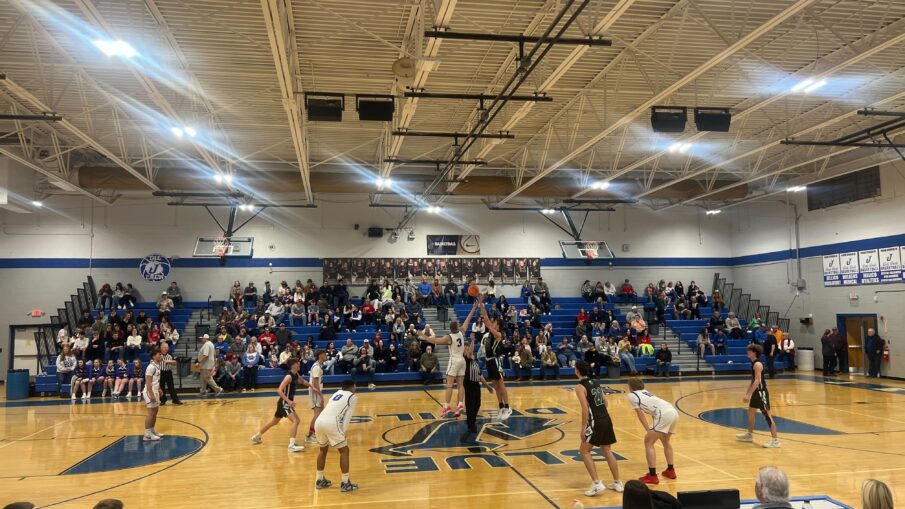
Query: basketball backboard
[(235, 247), (580, 249)]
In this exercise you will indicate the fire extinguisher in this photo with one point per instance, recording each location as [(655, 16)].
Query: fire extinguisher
[(886, 352), (885, 343)]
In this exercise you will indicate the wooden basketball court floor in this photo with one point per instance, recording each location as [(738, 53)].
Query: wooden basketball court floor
[(835, 433)]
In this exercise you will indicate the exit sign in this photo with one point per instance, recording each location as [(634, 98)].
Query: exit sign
[(36, 313)]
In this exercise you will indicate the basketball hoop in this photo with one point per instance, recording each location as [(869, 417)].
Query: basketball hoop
[(221, 246), (590, 250)]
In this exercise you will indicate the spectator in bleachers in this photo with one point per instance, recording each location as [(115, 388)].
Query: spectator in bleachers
[(719, 343), (679, 288), (450, 293), (133, 346), (249, 295), (175, 294), (628, 291), (282, 337), (136, 378), (285, 356), (340, 293), (267, 295), (428, 363), (391, 359), (663, 361), (153, 336), (313, 313), (363, 365), (645, 346), (105, 297), (625, 355), (348, 353), (436, 295), (610, 290), (760, 335), (594, 360), (96, 344), (424, 291), (549, 364), (772, 489), (734, 326), (565, 352), (273, 359), (716, 322), (118, 292), (236, 348), (875, 495), (717, 302), (276, 310), (63, 336), (703, 343), (670, 291), (297, 314), (681, 309), (599, 293), (79, 380), (230, 374), (236, 296), (266, 320), (222, 343), (523, 361), (582, 346), (379, 356), (692, 289), (755, 323), (542, 291), (631, 314), (661, 301), (66, 363), (587, 291), (638, 325), (170, 334)]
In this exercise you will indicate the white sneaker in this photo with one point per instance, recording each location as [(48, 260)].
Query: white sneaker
[(256, 439), (156, 434), (243, 391), (151, 438), (311, 439), (744, 437), (596, 489), (616, 486), (85, 396), (772, 444), (296, 448), (129, 395), (504, 414), (73, 396), (372, 386)]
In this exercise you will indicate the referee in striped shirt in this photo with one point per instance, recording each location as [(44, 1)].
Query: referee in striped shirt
[(472, 385), (166, 375)]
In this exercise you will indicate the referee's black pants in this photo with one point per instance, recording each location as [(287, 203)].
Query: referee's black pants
[(167, 386), (472, 405)]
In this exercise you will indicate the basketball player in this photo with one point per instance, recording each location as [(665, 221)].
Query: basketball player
[(597, 429), (151, 395), (286, 407), (664, 418), (492, 341), (330, 428), (315, 392), (758, 398), (455, 371)]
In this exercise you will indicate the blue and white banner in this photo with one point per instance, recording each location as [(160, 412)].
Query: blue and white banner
[(154, 267), (866, 267)]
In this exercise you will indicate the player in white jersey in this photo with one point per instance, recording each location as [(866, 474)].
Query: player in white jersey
[(315, 391), (330, 428), (151, 394), (663, 425), (455, 372)]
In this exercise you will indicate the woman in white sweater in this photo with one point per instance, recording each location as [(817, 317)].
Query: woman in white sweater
[(65, 364)]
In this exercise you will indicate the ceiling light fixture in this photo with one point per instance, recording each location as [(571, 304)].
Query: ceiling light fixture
[(433, 209), (600, 185), (547, 211), (116, 48), (797, 189), (713, 212), (679, 147), (815, 86), (38, 204)]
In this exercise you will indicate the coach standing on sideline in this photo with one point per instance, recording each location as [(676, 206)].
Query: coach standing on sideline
[(166, 376), (207, 359), (873, 346)]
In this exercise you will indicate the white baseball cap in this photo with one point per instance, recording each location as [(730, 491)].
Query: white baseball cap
[(205, 337)]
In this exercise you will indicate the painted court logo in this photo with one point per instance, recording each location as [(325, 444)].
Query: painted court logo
[(154, 267)]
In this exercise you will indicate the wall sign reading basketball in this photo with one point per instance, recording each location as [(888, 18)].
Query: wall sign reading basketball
[(453, 245), (154, 267), (500, 270), (865, 267)]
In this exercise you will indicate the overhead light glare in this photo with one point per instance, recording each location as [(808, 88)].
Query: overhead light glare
[(679, 147), (433, 209), (801, 85), (547, 211), (797, 189), (191, 131), (36, 203), (228, 178), (713, 212), (218, 178), (177, 132), (815, 86), (115, 48), (600, 185)]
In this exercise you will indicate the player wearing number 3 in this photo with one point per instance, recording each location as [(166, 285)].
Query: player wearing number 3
[(455, 371)]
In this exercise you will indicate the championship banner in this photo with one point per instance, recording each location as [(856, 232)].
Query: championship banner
[(831, 271), (869, 266), (865, 267), (453, 245), (848, 266), (891, 264)]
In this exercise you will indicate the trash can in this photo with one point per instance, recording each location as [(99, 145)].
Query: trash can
[(185, 366), (612, 371), (804, 359), (17, 384)]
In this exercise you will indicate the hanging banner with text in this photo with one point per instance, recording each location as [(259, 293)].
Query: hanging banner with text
[(453, 245), (866, 267)]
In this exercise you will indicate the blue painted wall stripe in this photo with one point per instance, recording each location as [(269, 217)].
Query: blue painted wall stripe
[(317, 263)]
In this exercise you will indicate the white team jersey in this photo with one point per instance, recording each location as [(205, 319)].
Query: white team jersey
[(154, 371), (317, 371), (457, 344), (338, 411), (647, 402)]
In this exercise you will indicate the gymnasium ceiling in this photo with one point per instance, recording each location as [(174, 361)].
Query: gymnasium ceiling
[(236, 71)]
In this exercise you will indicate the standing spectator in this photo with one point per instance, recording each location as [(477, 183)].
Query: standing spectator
[(788, 351), (175, 294), (166, 376), (236, 296), (873, 347), (429, 364), (771, 350), (772, 489), (875, 495), (207, 359), (664, 361), (841, 346), (718, 302), (340, 293), (66, 363), (250, 295), (828, 352)]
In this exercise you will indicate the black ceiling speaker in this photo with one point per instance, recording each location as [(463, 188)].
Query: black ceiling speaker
[(712, 119), (375, 107), (375, 233), (668, 119), (324, 107)]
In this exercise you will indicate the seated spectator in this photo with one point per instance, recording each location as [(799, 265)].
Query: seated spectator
[(66, 363), (631, 315), (363, 365), (645, 346), (266, 320), (663, 361), (583, 316), (273, 359), (638, 325), (681, 309), (276, 310), (600, 293), (875, 495), (221, 345), (733, 326), (236, 348), (391, 360), (581, 329), (718, 302), (695, 309), (549, 364), (285, 356), (523, 361), (175, 294), (105, 297), (450, 293), (772, 489), (566, 353), (719, 343), (583, 345), (661, 301), (428, 363), (542, 292), (609, 289), (716, 322), (594, 360), (756, 323), (625, 355), (628, 291), (230, 374), (347, 353), (133, 346), (424, 291), (587, 291), (703, 343)]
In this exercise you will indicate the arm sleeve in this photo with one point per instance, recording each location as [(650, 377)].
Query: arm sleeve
[(353, 401)]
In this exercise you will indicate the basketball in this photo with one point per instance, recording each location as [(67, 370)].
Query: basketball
[(590, 256), (474, 291)]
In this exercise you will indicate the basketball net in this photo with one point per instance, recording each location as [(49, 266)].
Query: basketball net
[(221, 246), (590, 250)]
